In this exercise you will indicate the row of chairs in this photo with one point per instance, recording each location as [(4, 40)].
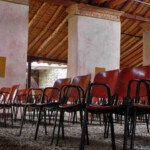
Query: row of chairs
[(119, 92)]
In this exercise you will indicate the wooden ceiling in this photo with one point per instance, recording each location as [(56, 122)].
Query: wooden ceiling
[(48, 28)]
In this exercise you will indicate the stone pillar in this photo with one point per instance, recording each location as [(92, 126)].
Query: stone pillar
[(146, 43), (94, 39), (13, 42)]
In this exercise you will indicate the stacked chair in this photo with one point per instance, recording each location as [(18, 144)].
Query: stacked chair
[(7, 96), (50, 99), (126, 87), (76, 91)]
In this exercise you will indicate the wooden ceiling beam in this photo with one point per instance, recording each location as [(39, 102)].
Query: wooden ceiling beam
[(59, 2), (111, 4), (147, 14), (127, 52), (46, 41), (138, 60), (62, 54), (138, 8), (39, 36), (98, 2), (135, 17), (124, 60), (34, 58), (133, 59), (37, 14), (57, 46)]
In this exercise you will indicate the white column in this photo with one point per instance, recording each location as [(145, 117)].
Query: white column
[(94, 39), (14, 42)]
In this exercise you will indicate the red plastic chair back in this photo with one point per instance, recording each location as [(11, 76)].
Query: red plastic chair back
[(83, 82), (13, 92), (21, 95), (128, 74), (58, 84), (5, 94), (108, 77)]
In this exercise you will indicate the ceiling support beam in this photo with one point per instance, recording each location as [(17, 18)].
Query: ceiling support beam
[(34, 58), (135, 17)]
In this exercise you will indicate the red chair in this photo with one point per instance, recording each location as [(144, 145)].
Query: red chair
[(76, 91), (19, 100), (50, 100), (126, 88), (104, 86), (9, 95)]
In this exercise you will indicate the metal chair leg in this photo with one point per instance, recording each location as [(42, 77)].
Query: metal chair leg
[(112, 132), (22, 122), (54, 128), (133, 130), (82, 142), (125, 129), (60, 120), (38, 122)]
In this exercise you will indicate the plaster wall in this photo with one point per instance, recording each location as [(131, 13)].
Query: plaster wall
[(146, 48), (13, 42), (93, 43)]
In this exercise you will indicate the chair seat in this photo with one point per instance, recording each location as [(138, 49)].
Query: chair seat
[(28, 104), (105, 108), (71, 107), (47, 104), (141, 108), (5, 105)]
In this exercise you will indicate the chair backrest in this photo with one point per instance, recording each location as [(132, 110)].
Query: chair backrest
[(53, 94), (134, 73), (5, 94), (81, 81), (21, 95), (13, 92), (107, 77)]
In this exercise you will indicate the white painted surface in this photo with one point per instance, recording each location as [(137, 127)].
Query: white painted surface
[(13, 42), (93, 43)]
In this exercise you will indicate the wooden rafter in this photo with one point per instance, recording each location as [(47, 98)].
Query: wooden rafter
[(57, 46), (127, 3), (45, 29), (37, 14), (59, 2), (62, 54), (98, 2), (124, 60), (126, 53), (138, 60), (113, 3), (46, 41), (147, 13), (139, 8), (133, 59)]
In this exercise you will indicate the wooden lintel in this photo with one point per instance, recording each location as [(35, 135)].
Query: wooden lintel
[(135, 17), (34, 58), (23, 2)]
